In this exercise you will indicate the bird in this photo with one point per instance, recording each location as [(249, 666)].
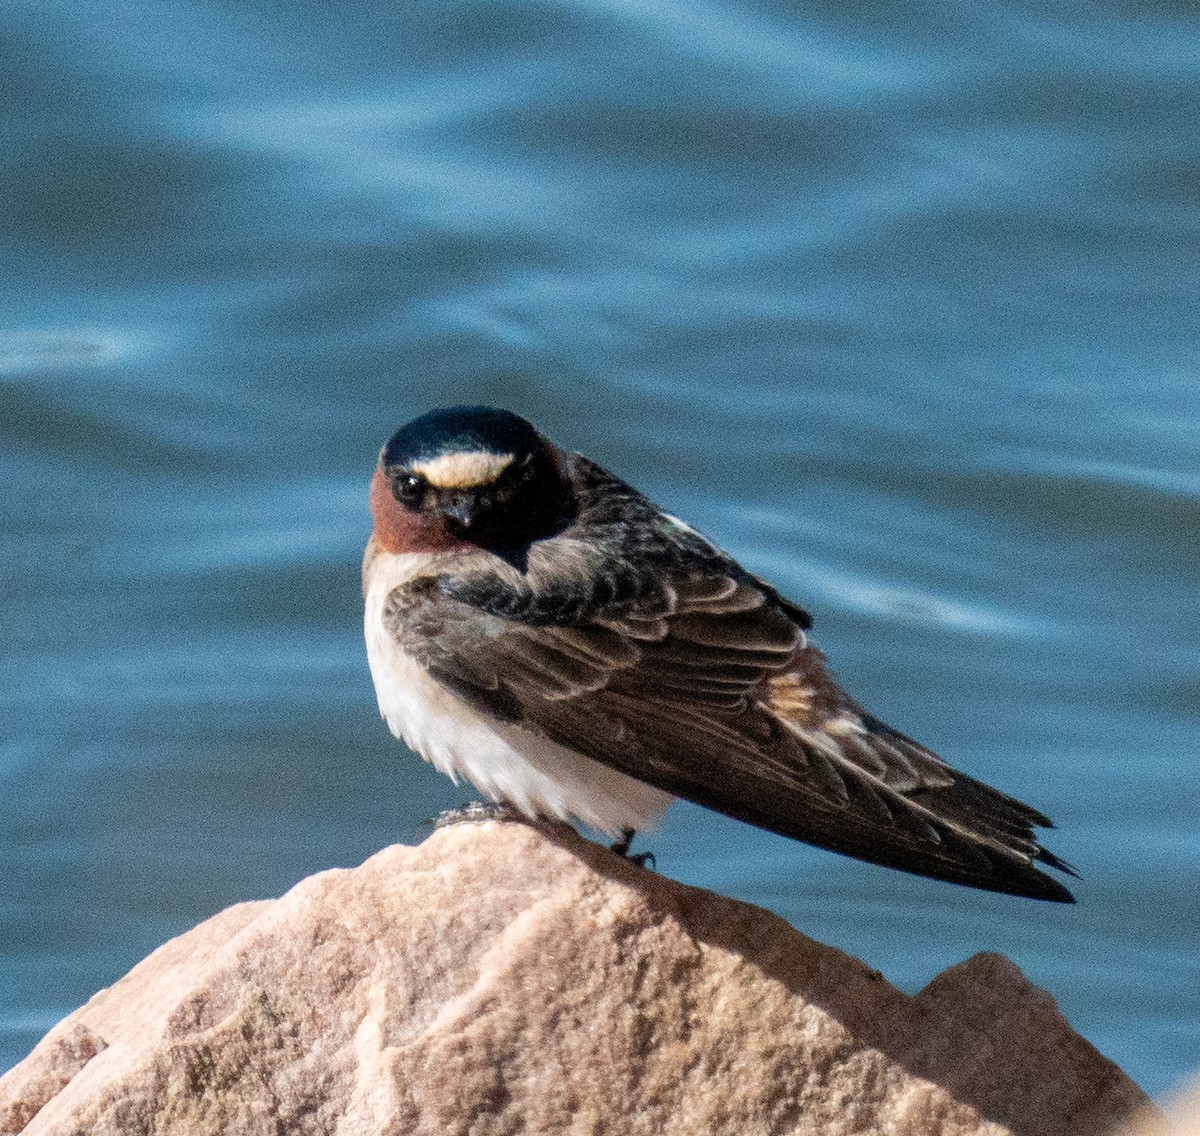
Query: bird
[(539, 627)]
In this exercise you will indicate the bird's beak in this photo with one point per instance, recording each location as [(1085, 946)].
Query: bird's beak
[(459, 510)]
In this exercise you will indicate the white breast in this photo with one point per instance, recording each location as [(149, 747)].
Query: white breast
[(503, 761)]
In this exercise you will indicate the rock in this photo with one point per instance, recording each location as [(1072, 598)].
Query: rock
[(1181, 1117), (504, 978)]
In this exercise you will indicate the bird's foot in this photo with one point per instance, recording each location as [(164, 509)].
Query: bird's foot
[(621, 848), (476, 811)]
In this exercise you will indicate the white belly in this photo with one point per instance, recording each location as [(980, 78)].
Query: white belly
[(505, 762)]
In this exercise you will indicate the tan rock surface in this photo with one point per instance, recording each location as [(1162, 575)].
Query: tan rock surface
[(501, 978), (1180, 1118)]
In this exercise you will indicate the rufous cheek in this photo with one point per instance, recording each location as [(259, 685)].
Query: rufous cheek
[(398, 529)]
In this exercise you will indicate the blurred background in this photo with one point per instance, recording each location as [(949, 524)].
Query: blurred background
[(897, 303)]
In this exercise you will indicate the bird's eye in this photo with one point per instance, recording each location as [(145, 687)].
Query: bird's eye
[(410, 488), (525, 467)]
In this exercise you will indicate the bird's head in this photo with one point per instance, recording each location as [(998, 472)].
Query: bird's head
[(469, 476)]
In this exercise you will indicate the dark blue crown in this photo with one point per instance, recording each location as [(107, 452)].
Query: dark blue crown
[(460, 430)]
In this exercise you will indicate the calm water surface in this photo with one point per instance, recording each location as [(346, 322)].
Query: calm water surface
[(899, 306)]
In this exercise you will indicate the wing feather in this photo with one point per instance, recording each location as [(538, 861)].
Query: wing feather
[(697, 678)]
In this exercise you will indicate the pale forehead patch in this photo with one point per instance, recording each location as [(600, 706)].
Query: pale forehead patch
[(463, 471)]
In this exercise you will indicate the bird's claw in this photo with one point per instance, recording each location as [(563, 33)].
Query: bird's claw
[(621, 848)]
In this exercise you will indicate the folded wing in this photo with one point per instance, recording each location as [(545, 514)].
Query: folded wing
[(705, 686)]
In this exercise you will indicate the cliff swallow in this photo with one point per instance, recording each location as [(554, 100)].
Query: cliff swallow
[(538, 626)]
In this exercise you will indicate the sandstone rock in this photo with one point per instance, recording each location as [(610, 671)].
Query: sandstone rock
[(503, 978), (1181, 1117)]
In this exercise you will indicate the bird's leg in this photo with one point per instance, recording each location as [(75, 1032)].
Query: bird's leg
[(621, 848)]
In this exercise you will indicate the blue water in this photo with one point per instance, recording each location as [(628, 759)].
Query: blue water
[(900, 304)]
